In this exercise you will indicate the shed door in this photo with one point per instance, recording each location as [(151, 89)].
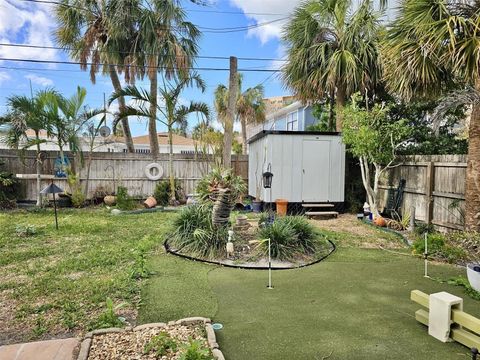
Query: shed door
[(315, 170)]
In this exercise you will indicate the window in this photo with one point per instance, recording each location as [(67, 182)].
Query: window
[(292, 121)]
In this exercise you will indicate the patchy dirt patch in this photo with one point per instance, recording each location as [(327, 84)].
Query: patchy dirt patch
[(347, 230)]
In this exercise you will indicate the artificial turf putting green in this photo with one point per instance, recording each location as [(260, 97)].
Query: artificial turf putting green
[(355, 305)]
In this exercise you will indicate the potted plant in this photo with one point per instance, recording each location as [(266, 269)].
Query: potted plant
[(473, 274)]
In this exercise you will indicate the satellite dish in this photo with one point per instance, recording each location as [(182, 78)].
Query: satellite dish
[(104, 131)]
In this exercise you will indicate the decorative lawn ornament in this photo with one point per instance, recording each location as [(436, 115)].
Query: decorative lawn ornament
[(53, 189), (230, 249)]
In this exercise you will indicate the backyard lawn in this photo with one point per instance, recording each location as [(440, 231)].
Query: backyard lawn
[(353, 305)]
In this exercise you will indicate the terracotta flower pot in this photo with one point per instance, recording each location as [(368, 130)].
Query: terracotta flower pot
[(151, 202), (110, 200)]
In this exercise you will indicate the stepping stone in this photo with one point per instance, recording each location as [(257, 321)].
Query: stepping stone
[(61, 349)]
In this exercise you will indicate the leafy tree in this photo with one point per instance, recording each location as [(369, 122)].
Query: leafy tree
[(431, 46), (101, 33), (172, 112), (332, 49), (370, 136)]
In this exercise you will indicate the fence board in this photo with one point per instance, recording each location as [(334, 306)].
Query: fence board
[(129, 170), (435, 186)]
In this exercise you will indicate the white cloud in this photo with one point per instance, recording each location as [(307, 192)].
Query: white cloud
[(4, 77), (270, 31), (39, 80), (27, 24)]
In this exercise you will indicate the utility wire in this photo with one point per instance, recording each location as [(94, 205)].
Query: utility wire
[(188, 10), (146, 66), (130, 53), (225, 30)]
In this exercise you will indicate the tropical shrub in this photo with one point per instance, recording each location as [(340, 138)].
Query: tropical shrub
[(8, 189), (458, 247), (195, 233), (76, 194), (290, 236), (162, 191), (217, 179), (124, 201)]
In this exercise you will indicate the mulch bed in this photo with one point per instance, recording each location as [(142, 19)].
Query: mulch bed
[(131, 345)]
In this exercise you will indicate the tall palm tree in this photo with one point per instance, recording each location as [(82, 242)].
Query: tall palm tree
[(250, 109), (27, 113), (169, 44), (101, 33), (171, 111), (430, 45), (332, 48)]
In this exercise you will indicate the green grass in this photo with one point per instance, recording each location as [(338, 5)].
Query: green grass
[(57, 281)]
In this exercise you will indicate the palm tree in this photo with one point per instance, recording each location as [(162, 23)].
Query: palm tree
[(169, 45), (250, 109), (101, 33), (27, 113), (172, 112), (332, 48), (433, 43)]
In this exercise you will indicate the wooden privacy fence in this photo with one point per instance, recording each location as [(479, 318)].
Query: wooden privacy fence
[(435, 186), (109, 170)]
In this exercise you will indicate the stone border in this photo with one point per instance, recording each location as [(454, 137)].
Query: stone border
[(211, 337)]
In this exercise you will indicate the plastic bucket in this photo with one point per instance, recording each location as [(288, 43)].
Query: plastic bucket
[(281, 206)]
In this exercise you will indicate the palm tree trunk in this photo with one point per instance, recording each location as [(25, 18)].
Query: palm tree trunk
[(244, 135), (38, 168), (152, 123), (170, 166), (331, 115), (121, 104), (230, 118), (472, 179), (340, 104)]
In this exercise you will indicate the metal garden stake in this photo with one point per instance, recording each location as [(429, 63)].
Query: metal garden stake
[(425, 255), (269, 265)]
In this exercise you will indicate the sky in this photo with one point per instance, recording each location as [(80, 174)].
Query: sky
[(25, 22)]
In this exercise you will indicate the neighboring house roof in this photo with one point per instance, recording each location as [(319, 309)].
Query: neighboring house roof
[(163, 140)]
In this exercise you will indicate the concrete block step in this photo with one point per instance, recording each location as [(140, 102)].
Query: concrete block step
[(318, 205), (322, 213)]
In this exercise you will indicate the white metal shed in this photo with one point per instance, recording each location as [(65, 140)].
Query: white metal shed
[(307, 167)]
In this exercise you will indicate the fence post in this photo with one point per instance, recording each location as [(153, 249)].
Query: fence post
[(429, 188)]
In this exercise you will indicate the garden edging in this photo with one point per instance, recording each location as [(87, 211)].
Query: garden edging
[(176, 253), (211, 337)]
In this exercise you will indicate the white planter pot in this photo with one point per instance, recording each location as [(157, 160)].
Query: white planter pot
[(473, 276)]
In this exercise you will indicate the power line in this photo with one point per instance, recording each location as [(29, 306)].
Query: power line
[(146, 66), (128, 52), (190, 10), (225, 30)]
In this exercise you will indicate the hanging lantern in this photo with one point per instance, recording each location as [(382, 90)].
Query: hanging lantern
[(267, 178)]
